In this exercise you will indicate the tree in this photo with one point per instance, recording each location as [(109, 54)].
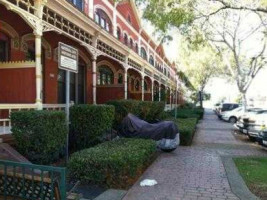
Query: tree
[(199, 64), (231, 36), (225, 24)]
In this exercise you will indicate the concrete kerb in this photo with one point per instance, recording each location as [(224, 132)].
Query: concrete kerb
[(237, 184)]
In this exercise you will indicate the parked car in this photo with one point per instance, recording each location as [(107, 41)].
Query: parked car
[(263, 138), (245, 118), (216, 107), (259, 124), (233, 115), (226, 107)]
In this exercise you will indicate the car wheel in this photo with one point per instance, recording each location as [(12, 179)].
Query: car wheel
[(253, 139), (232, 120)]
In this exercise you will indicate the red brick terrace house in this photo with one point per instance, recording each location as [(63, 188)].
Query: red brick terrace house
[(117, 58)]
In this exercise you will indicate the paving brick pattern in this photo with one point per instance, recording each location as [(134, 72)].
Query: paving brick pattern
[(196, 172)]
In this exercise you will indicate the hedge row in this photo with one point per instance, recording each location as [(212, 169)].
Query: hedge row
[(40, 135), (187, 113), (146, 110), (115, 163), (88, 124), (187, 127)]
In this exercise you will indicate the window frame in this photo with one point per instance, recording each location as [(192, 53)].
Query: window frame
[(105, 76), (6, 44)]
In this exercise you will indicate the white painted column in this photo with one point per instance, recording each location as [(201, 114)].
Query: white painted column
[(38, 70), (94, 79), (38, 32), (139, 42), (143, 87), (171, 98), (91, 9), (125, 83), (114, 20), (159, 91), (152, 89)]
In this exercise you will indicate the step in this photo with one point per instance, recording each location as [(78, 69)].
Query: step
[(112, 194), (7, 138)]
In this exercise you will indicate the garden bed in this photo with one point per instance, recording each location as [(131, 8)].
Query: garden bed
[(254, 173), (116, 164)]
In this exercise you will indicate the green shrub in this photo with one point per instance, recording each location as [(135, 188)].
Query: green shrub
[(115, 163), (39, 135), (187, 113), (187, 129), (146, 110), (89, 123)]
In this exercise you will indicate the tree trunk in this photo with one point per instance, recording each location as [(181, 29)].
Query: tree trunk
[(244, 99), (201, 98)]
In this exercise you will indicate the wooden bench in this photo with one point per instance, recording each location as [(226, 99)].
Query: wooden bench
[(27, 186)]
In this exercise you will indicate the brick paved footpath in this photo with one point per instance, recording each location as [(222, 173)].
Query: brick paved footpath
[(195, 172)]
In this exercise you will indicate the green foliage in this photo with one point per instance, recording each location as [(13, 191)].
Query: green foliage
[(187, 129), (185, 80), (168, 13), (113, 163), (146, 110), (188, 113), (40, 135), (89, 123)]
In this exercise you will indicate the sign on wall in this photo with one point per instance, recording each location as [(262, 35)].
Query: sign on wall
[(67, 57)]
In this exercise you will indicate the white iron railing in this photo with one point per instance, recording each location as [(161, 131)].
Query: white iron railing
[(6, 109)]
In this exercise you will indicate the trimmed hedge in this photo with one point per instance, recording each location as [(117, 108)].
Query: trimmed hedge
[(187, 129), (116, 163), (88, 124), (188, 113), (146, 110), (39, 135)]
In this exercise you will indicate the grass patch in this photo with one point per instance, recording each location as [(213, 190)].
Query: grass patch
[(254, 173)]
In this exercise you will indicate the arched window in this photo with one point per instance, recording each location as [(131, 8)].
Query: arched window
[(129, 18), (30, 54), (4, 47), (143, 53), (136, 48), (151, 60), (118, 33), (165, 72), (132, 84), (131, 43), (145, 86), (125, 39), (105, 76), (137, 85), (120, 78), (103, 20)]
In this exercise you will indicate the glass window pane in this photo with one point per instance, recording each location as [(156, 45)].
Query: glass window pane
[(79, 4), (103, 23), (97, 18), (3, 51), (107, 27)]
